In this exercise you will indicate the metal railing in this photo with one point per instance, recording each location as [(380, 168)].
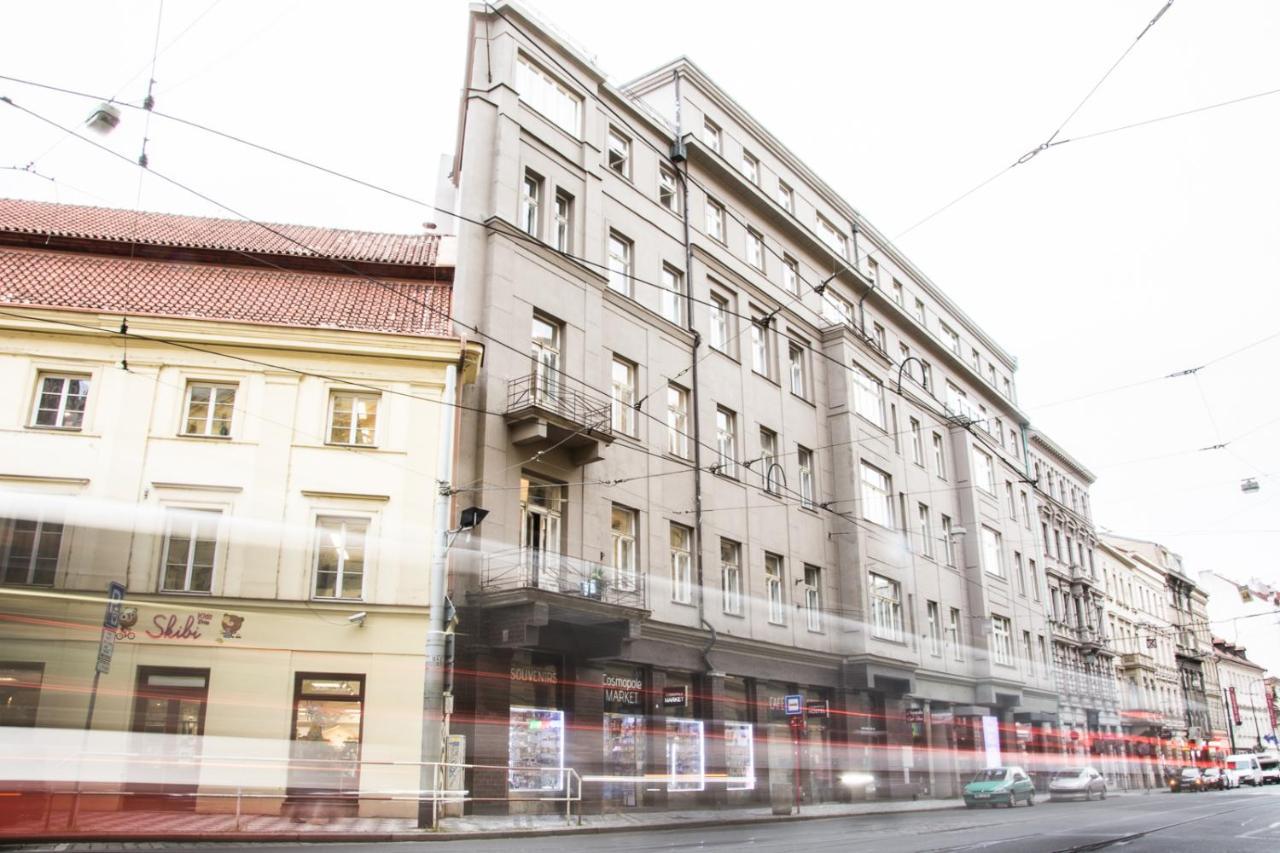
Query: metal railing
[(525, 568), (557, 398), (568, 789)]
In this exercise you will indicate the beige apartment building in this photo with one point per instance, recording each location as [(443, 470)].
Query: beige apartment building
[(1152, 704), (758, 488), (253, 460), (1244, 698), (1083, 653)]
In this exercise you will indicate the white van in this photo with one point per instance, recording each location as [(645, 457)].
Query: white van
[(1270, 765), (1244, 769)]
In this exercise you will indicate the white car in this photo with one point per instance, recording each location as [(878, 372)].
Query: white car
[(1270, 765), (1083, 782), (1244, 769)]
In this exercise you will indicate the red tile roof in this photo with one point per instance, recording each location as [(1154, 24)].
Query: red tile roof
[(213, 291), (203, 232)]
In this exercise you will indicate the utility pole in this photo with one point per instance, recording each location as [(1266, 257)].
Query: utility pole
[(429, 777)]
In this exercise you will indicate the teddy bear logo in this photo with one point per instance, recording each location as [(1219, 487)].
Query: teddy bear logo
[(231, 626)]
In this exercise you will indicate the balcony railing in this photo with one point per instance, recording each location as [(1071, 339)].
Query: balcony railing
[(524, 568), (543, 392)]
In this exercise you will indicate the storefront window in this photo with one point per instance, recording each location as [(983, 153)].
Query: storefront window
[(685, 755), (20, 693), (624, 734), (535, 738), (740, 756), (328, 721)]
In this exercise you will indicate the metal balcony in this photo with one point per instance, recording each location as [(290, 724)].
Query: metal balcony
[(525, 569), (542, 410)]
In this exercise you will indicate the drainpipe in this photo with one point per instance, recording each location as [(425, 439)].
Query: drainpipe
[(679, 155), (433, 684)]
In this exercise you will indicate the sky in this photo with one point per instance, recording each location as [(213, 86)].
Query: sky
[(1099, 263)]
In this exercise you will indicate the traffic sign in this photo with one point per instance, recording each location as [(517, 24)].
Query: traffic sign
[(793, 704), (110, 624)]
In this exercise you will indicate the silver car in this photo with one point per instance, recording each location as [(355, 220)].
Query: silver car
[(1084, 782)]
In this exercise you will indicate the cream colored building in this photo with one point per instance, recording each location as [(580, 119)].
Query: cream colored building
[(254, 459)]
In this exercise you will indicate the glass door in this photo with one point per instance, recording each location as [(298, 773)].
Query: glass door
[(328, 726), (540, 532), (546, 362), (168, 726)]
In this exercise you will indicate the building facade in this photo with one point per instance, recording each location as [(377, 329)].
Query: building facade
[(735, 448), (1244, 698), (244, 438), (1083, 654)]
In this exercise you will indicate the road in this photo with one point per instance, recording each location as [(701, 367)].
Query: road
[(1242, 820)]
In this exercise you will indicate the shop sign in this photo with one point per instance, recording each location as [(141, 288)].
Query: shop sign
[(534, 674), (675, 697), (622, 690), (793, 704), (915, 715), (817, 708), (1235, 706), (171, 626)]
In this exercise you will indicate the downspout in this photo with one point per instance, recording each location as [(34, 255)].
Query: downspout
[(679, 155)]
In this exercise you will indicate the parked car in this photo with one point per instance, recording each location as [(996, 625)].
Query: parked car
[(1188, 779), (1270, 765), (1077, 782), (1000, 785), (1244, 768), (1214, 779)]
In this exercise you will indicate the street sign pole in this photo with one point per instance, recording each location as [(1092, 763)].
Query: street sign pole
[(106, 649)]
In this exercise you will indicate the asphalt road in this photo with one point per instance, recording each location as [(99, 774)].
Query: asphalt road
[(1210, 822)]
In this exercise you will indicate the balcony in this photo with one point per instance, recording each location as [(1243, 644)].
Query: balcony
[(1137, 660), (542, 411)]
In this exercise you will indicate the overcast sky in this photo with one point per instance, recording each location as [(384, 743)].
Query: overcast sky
[(1099, 263)]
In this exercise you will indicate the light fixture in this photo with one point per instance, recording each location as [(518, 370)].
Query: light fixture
[(471, 517)]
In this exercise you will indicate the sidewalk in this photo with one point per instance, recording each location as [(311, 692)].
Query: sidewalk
[(141, 826)]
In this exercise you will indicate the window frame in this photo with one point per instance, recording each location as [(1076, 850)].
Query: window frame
[(712, 135), (925, 520), (623, 416), (64, 395), (1002, 640), (718, 311), (933, 616), (668, 186), (681, 569), (786, 197), (875, 495), (731, 577), (755, 249), (750, 167), (948, 543), (868, 390), (808, 482), (714, 222), (790, 275), (813, 597), (775, 589), (955, 630), (761, 346), (41, 525), (340, 573), (992, 547), (622, 153), (191, 521), (886, 610), (212, 404), (797, 363), (334, 395), (727, 464), (563, 221), (531, 203), (770, 482), (984, 464), (678, 432), (673, 295), (624, 547), (542, 105), (621, 280)]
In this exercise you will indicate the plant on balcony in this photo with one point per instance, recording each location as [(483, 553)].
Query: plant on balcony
[(593, 585)]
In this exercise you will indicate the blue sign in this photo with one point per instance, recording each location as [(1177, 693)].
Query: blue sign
[(793, 704)]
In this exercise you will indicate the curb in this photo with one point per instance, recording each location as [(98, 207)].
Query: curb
[(43, 843)]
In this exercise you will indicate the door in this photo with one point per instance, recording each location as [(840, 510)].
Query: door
[(540, 533), (327, 730), (546, 363), (168, 727)]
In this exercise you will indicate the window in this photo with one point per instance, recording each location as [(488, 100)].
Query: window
[(564, 221), (715, 220), (773, 587), (804, 458), (530, 202), (926, 376), (190, 543), (926, 530), (832, 237), (673, 296), (618, 153), (897, 292), (919, 311), (711, 134), (953, 634), (623, 535), (677, 421), (877, 334), (340, 557), (813, 598), (1044, 653), (750, 167), (726, 442), (837, 310), (984, 475), (1008, 388), (873, 271), (991, 375), (893, 428), (935, 627), (61, 400), (877, 496), (681, 564), (719, 310), (619, 263), (353, 418), (786, 197), (761, 357), (731, 576), (548, 96), (939, 456), (952, 338), (948, 542), (755, 249), (1002, 640), (29, 551), (770, 474), (623, 412), (992, 558), (790, 274), (545, 357), (1026, 510), (1013, 507), (209, 409), (1021, 578), (868, 397), (976, 358), (886, 608), (796, 369), (917, 442), (1026, 652), (667, 193)]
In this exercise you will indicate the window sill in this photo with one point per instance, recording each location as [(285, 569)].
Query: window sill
[(777, 624), (897, 641), (197, 435), (51, 428), (337, 600), (812, 510), (802, 398), (196, 592), (684, 603), (766, 377), (734, 615), (349, 444)]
